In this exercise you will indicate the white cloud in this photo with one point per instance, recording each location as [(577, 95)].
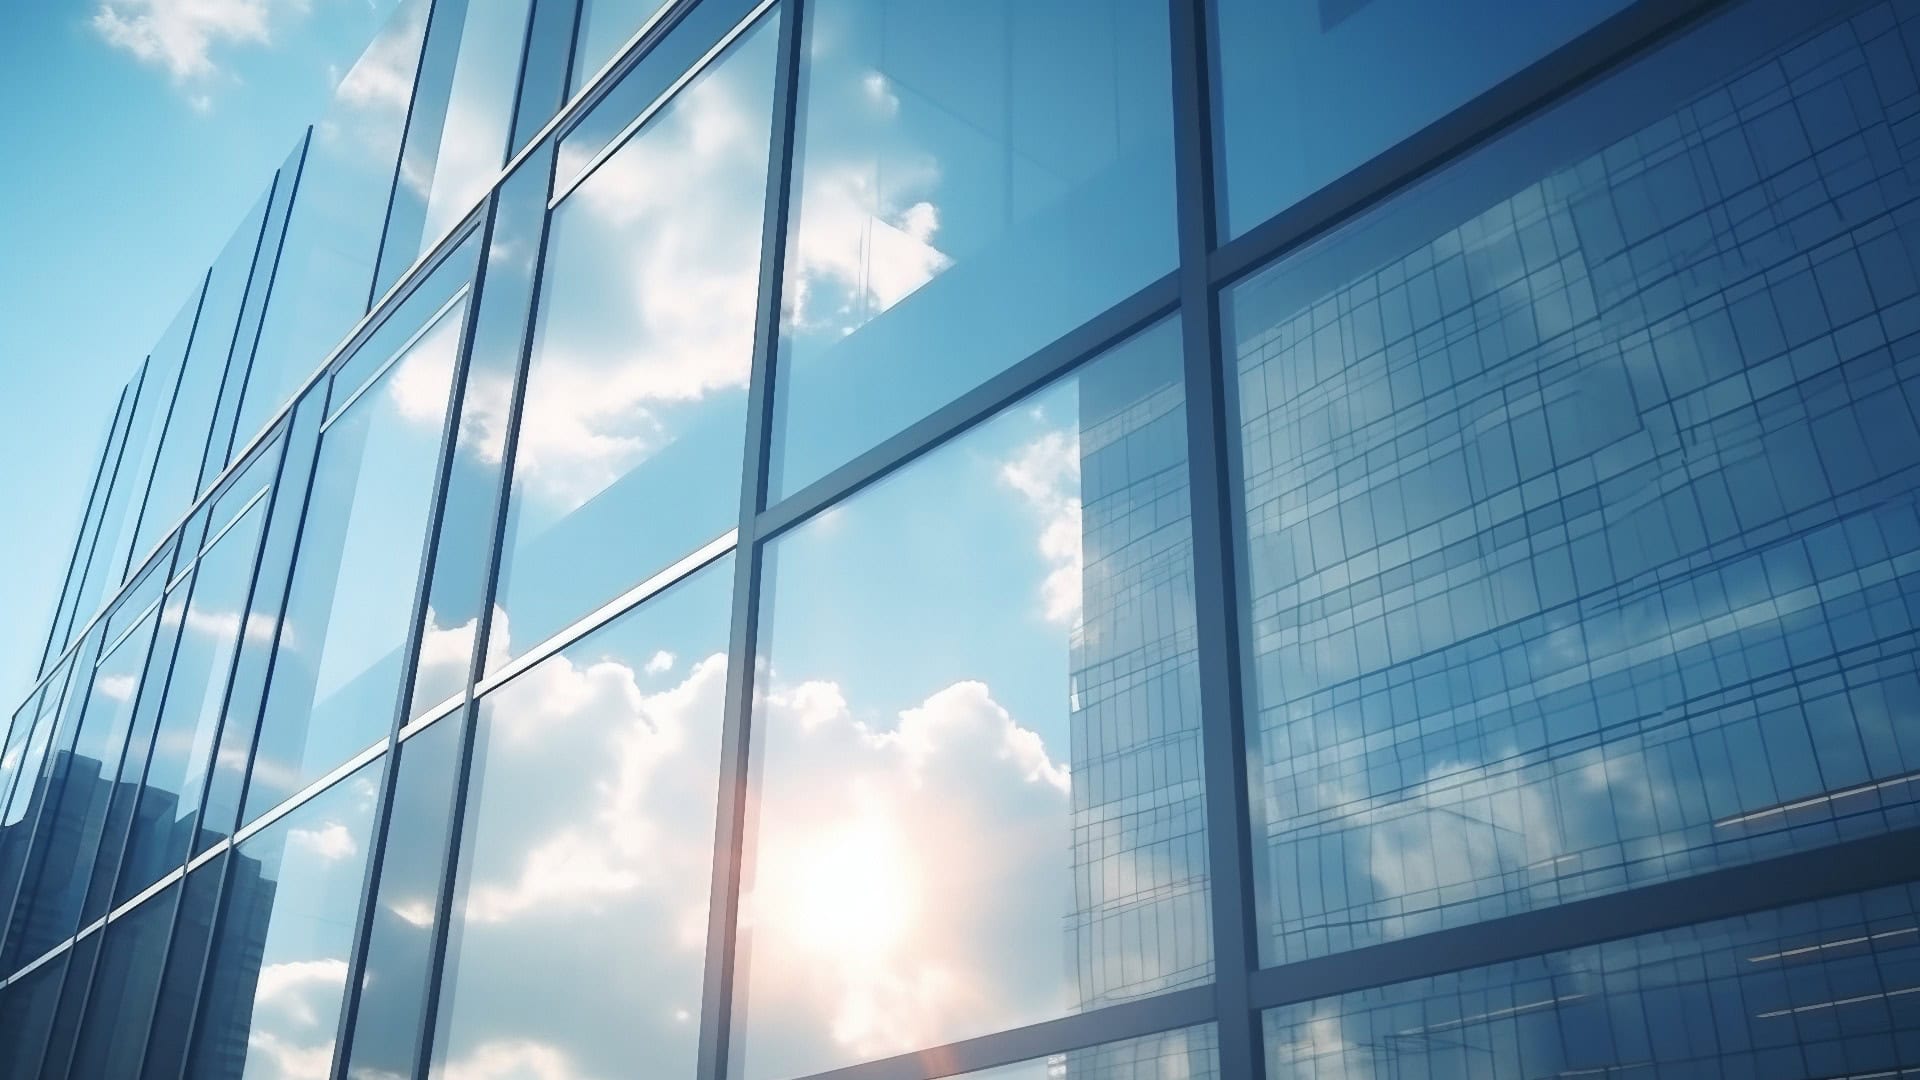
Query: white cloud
[(660, 663), (289, 987), (180, 35), (330, 841), (520, 1059), (1046, 473), (118, 687), (859, 252)]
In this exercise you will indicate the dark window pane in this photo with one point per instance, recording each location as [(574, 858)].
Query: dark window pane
[(393, 992), (337, 673), (1815, 990), (974, 180), (126, 989), (214, 623), (26, 1016), (1310, 89), (981, 800), (588, 835), (633, 425), (279, 962), (166, 1048), (80, 960), (1580, 500)]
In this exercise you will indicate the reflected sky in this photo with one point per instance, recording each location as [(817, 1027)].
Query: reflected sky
[(337, 670), (589, 834), (604, 26), (1032, 707), (1580, 510), (635, 411), (279, 963), (1004, 157)]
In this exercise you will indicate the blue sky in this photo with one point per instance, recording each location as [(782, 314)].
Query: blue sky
[(137, 133)]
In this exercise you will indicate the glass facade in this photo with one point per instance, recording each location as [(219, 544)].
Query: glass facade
[(1071, 539)]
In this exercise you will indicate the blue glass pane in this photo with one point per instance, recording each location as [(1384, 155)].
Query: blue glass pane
[(26, 1016), (68, 615), (1579, 493), (588, 835), (974, 181), (324, 279), (213, 623), (606, 25), (1818, 990), (1311, 89), (993, 647), (186, 959), (472, 143), (278, 967), (634, 419), (337, 669), (224, 441), (126, 987)]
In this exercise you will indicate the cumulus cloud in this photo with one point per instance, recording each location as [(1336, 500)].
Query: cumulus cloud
[(180, 35), (118, 687), (1046, 473), (330, 842), (859, 250)]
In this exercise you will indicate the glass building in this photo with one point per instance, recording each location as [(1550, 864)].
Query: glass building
[(1069, 539)]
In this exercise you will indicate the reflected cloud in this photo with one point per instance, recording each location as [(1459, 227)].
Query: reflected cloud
[(859, 251), (118, 687), (1046, 473), (523, 1059), (330, 842)]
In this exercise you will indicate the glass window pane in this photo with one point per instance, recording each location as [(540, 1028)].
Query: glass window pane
[(980, 733), (73, 996), (125, 989), (1813, 990), (143, 519), (324, 279), (336, 676), (29, 781), (69, 615), (386, 1033), (113, 543), (67, 836), (212, 625), (279, 962), (473, 138), (1281, 136), (974, 181), (1579, 499), (589, 834), (26, 1016), (166, 1047), (224, 441), (606, 25), (634, 419), (1184, 1054)]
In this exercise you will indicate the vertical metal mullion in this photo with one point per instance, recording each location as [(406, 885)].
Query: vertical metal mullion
[(1210, 443), (400, 155), (166, 421), (410, 656), (468, 714), (233, 337), (732, 820), (119, 460)]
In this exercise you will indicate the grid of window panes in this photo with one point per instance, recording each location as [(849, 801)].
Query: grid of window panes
[(1104, 539)]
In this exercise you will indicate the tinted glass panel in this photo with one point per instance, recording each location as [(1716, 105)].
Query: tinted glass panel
[(144, 519), (393, 990), (26, 1017), (337, 674), (73, 999), (952, 785), (974, 181), (107, 564), (605, 25), (279, 961), (1580, 501), (125, 989), (1820, 990), (213, 623), (68, 618), (588, 847), (1310, 89), (479, 107), (180, 979), (83, 772), (325, 274), (633, 423)]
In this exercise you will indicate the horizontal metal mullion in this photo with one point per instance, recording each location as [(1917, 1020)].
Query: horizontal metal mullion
[(1850, 867), (1089, 339), (1128, 1020), (1530, 90)]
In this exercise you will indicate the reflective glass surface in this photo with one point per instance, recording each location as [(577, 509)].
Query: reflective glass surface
[(1183, 1054), (106, 563), (605, 25), (126, 987), (399, 955), (159, 393), (1579, 494), (224, 440), (186, 959), (973, 181), (26, 1017), (1818, 990), (60, 862), (1035, 707), (70, 617), (337, 672), (1308, 90), (634, 417), (279, 960), (212, 610), (581, 899), (324, 279)]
